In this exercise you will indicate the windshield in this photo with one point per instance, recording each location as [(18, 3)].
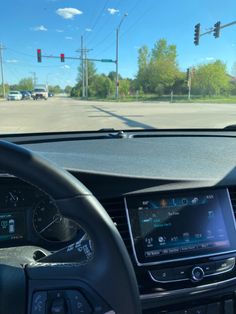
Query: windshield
[(14, 93), (117, 64), (39, 90)]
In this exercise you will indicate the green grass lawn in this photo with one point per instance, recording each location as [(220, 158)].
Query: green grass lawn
[(176, 99)]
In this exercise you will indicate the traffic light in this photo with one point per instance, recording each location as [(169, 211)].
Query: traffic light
[(62, 55), (39, 55), (197, 34), (216, 31)]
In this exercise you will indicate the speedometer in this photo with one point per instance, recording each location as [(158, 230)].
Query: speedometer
[(51, 225)]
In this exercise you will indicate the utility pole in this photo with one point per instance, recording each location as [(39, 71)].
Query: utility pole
[(34, 78), (82, 66), (117, 55), (2, 72), (86, 72)]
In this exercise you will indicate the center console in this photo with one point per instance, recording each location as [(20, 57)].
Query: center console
[(183, 240)]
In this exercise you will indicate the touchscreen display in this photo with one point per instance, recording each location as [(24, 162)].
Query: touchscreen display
[(12, 226), (179, 226)]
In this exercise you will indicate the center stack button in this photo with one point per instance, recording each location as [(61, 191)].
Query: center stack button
[(197, 274)]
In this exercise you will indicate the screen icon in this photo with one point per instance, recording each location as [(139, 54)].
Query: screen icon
[(163, 202)]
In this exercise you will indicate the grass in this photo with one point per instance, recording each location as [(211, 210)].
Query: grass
[(166, 98)]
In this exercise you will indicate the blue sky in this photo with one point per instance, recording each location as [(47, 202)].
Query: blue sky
[(56, 26)]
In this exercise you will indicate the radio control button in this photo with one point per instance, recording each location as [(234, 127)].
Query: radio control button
[(209, 268), (225, 265), (181, 273), (197, 274), (162, 275)]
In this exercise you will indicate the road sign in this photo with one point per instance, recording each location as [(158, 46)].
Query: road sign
[(107, 60)]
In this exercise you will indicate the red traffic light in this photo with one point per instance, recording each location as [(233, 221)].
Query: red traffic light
[(39, 55), (62, 55)]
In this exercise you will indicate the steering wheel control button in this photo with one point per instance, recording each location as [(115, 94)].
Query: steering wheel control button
[(79, 304), (39, 303), (59, 306), (197, 274), (162, 275)]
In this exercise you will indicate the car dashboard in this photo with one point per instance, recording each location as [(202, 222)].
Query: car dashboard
[(179, 231)]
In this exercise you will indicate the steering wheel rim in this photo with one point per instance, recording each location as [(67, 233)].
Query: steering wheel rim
[(110, 272)]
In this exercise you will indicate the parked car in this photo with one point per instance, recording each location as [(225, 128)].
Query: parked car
[(14, 95), (25, 94), (50, 94)]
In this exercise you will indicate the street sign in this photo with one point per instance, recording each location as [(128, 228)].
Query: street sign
[(107, 60)]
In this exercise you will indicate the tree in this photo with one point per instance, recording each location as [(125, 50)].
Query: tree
[(26, 84), (112, 76), (158, 70), (124, 87), (54, 89), (101, 86), (68, 89), (91, 71), (143, 64), (211, 79)]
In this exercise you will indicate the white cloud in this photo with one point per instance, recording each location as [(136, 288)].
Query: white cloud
[(88, 29), (65, 66), (12, 61), (68, 38), (113, 11), (210, 58), (59, 30), (40, 28), (68, 13)]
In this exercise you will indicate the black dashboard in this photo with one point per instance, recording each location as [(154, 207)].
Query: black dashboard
[(172, 196)]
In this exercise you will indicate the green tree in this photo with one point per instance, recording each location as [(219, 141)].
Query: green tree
[(55, 89), (158, 70), (26, 84), (143, 68), (91, 71), (211, 79), (101, 86), (112, 76), (68, 89), (124, 87)]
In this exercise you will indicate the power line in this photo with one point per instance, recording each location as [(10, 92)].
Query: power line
[(137, 21), (99, 16)]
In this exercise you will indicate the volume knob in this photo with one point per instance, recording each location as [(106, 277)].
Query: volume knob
[(197, 273)]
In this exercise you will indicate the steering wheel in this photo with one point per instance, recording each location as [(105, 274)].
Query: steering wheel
[(103, 281)]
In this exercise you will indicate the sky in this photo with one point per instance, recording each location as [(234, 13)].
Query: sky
[(56, 26)]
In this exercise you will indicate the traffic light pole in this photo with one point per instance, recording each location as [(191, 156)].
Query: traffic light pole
[(222, 26)]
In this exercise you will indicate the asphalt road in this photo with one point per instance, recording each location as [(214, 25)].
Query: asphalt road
[(65, 114)]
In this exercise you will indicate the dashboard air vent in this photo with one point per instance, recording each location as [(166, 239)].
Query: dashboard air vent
[(116, 210)]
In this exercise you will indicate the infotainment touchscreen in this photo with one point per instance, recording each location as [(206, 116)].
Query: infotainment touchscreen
[(181, 226)]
